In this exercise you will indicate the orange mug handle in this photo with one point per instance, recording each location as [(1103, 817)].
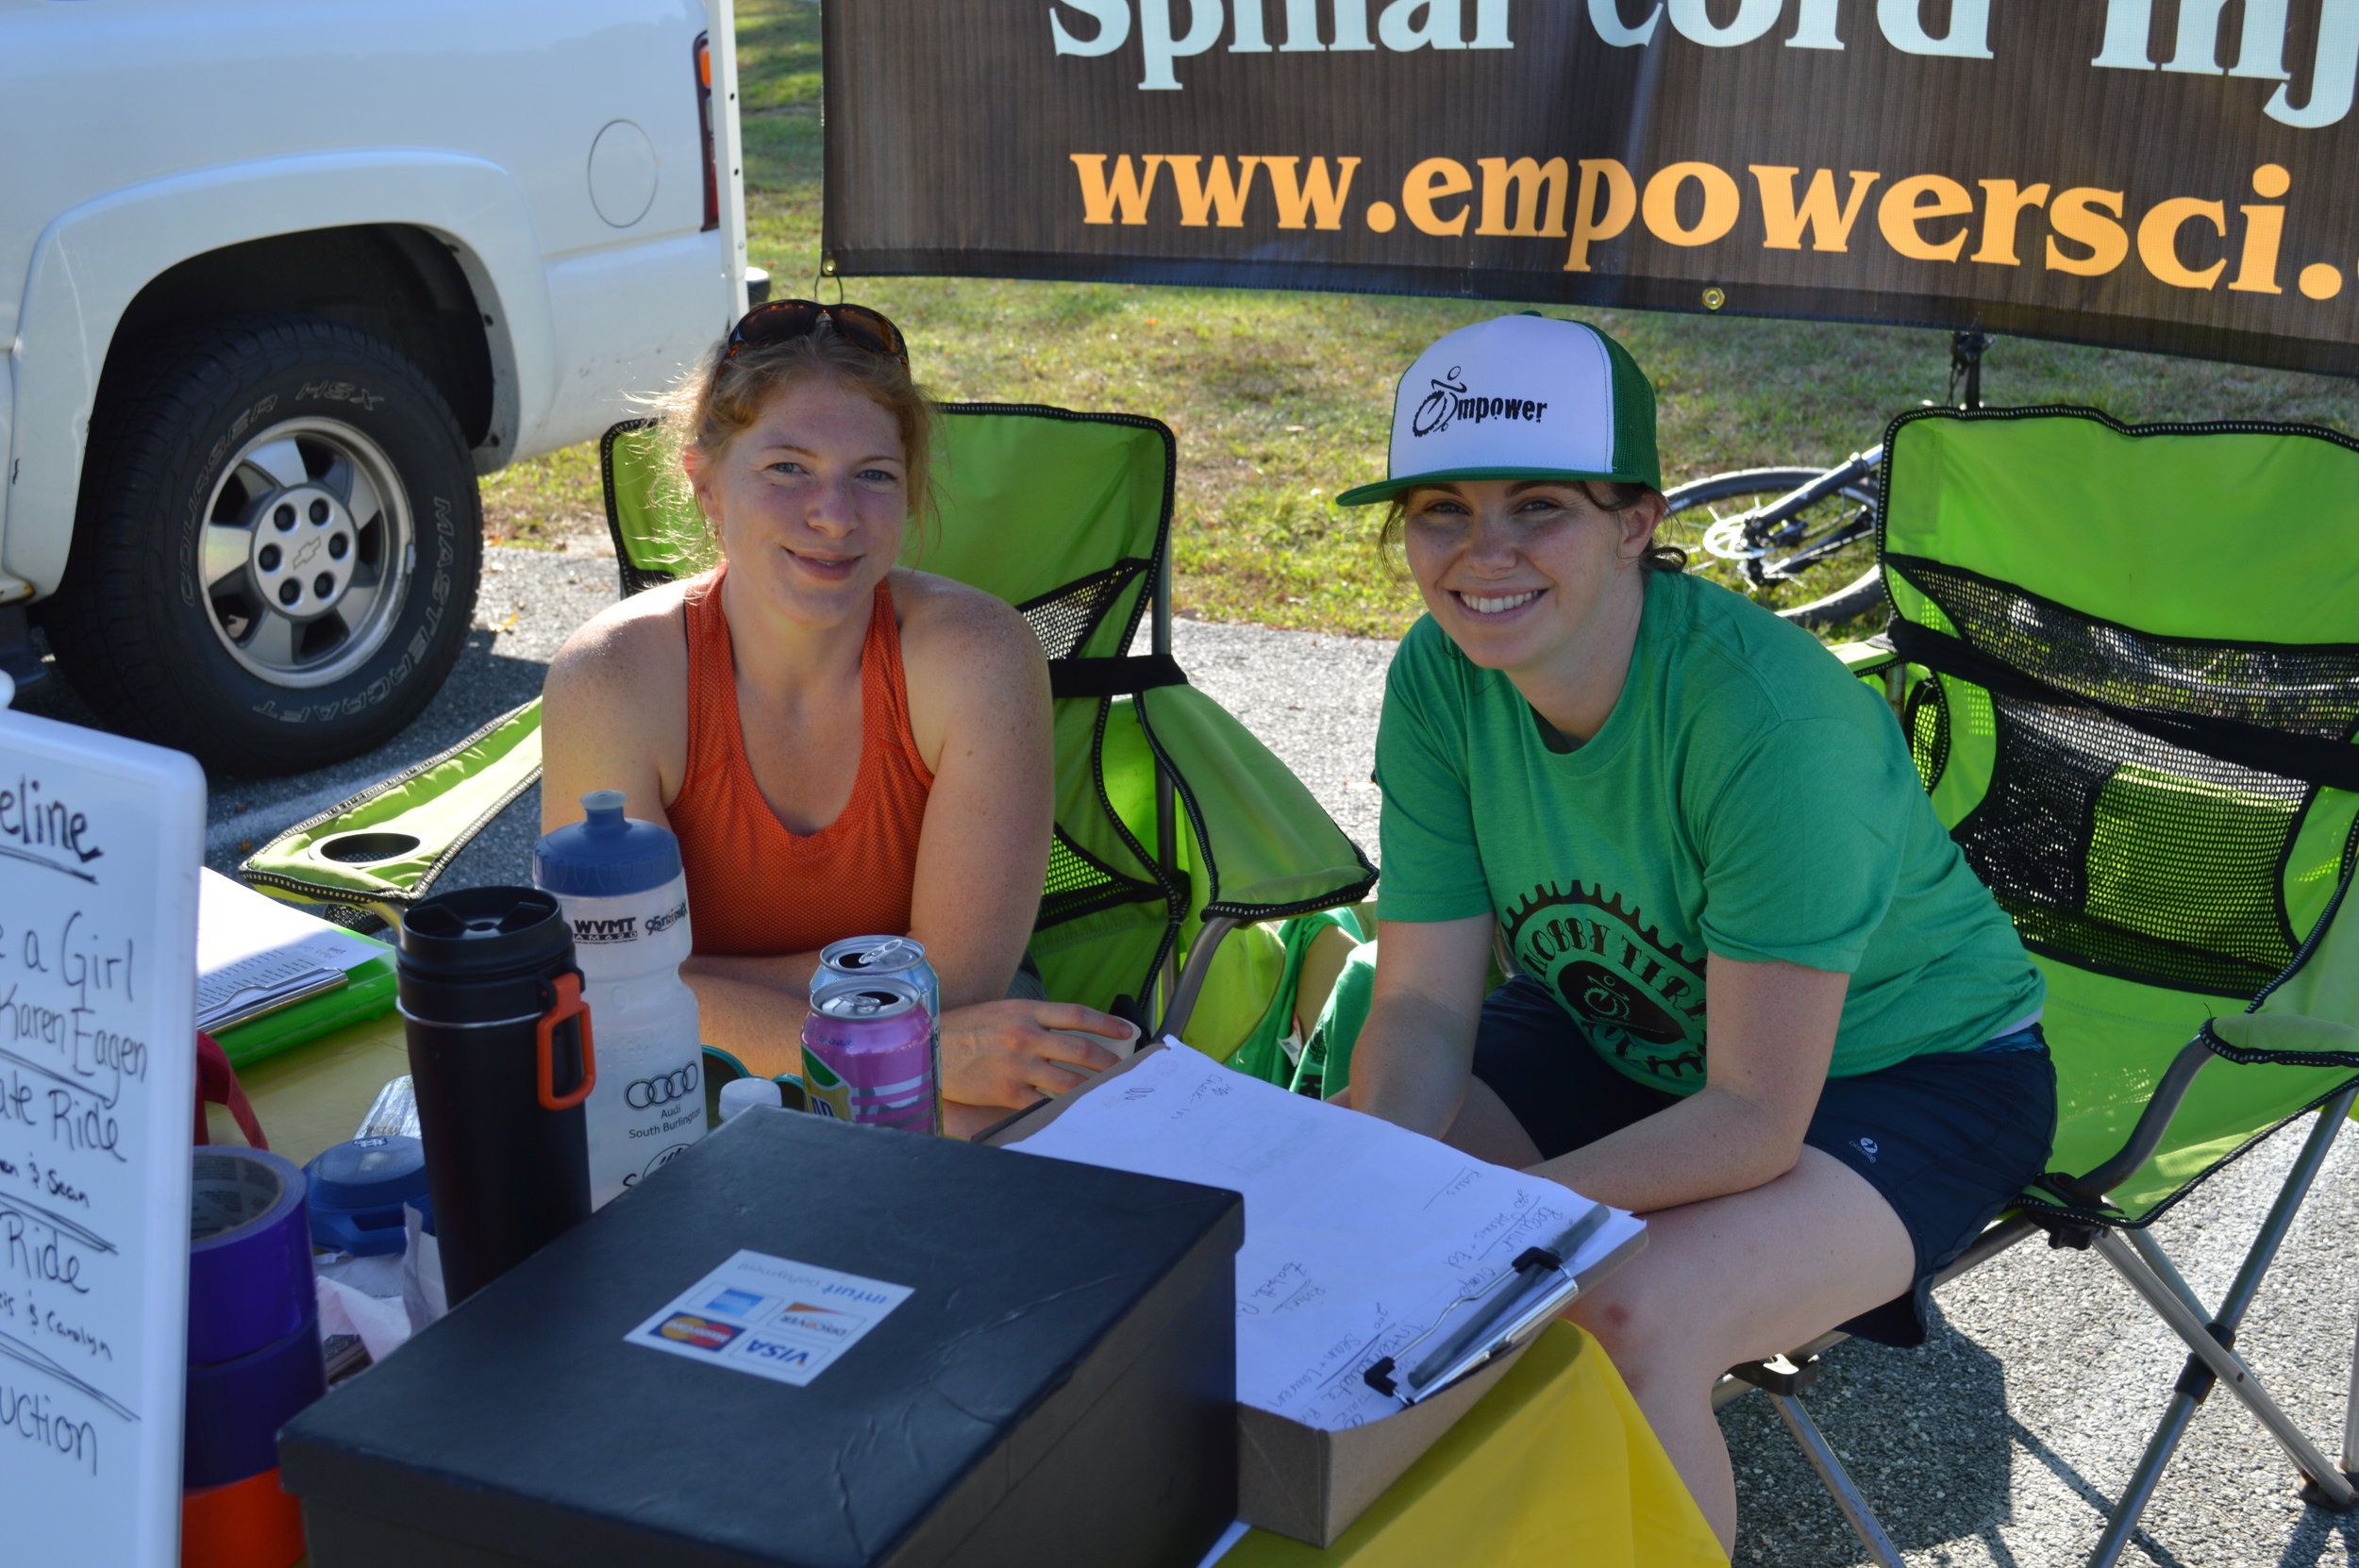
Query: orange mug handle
[(568, 1004)]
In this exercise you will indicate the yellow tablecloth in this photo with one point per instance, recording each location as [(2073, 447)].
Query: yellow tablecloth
[(1554, 1466)]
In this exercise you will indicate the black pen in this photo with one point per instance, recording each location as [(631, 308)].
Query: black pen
[(1536, 1273)]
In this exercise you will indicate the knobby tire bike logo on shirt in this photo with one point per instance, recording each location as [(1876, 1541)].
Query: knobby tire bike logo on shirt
[(1638, 995)]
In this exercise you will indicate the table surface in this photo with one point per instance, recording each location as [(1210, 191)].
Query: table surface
[(312, 1097), (1554, 1465)]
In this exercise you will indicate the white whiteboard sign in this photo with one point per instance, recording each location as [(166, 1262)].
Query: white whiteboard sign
[(100, 841)]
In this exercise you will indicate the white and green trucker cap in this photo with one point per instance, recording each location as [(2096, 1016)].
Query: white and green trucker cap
[(1520, 397)]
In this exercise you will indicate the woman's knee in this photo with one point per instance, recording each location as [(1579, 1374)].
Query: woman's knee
[(1639, 1331)]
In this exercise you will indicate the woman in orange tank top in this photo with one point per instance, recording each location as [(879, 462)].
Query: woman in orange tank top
[(845, 747)]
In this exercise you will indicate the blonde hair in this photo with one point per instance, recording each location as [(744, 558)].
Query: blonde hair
[(724, 395)]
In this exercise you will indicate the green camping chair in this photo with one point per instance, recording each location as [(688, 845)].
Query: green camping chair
[(1174, 826), (2127, 660)]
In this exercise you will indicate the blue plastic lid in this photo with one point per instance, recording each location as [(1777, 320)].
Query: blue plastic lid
[(357, 1190), (368, 1173), (607, 856)]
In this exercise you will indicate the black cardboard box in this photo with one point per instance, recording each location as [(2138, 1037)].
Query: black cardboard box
[(1056, 1388)]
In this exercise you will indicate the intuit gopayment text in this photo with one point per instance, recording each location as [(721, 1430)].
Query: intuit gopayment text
[(2232, 239)]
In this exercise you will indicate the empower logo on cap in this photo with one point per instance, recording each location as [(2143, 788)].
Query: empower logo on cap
[(1449, 401), (1519, 397)]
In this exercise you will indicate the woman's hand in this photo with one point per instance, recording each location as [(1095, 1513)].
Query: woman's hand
[(1012, 1053)]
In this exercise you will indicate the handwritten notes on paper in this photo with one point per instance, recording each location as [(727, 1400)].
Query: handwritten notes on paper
[(100, 841), (253, 953), (1358, 1236)]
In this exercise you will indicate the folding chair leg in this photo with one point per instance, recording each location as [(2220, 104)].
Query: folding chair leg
[(2159, 1260), (2351, 1417), (2158, 1279), (2227, 1366), (2130, 1507), (1838, 1481)]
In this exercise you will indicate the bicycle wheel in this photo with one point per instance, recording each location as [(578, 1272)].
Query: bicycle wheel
[(1817, 568)]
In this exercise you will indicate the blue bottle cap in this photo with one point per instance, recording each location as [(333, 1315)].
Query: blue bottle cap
[(606, 856), (357, 1190)]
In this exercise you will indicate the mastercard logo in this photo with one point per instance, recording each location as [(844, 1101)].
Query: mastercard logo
[(705, 1334)]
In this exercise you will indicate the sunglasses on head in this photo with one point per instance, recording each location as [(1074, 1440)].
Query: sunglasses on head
[(782, 321)]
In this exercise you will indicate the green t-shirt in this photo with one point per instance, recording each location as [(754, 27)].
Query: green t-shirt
[(1748, 797)]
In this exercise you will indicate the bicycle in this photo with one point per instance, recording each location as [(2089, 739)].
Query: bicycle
[(1802, 539)]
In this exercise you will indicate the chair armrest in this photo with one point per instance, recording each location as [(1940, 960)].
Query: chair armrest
[(383, 848), (1269, 849), (2253, 1038), (2286, 1032), (1865, 660)]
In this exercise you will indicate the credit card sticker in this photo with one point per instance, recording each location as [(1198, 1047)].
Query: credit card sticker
[(771, 1317)]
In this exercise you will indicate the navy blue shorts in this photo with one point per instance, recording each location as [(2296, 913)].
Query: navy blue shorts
[(1948, 1139)]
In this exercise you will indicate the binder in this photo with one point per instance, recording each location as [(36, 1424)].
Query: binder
[(367, 993), (277, 976)]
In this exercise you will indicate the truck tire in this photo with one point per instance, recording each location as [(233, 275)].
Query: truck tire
[(275, 557)]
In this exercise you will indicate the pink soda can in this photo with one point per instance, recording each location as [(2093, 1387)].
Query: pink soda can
[(868, 1056)]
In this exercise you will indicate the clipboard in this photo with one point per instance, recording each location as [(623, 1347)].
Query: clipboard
[(1502, 1317)]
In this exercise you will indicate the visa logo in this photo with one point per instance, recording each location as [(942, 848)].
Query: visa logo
[(778, 1351)]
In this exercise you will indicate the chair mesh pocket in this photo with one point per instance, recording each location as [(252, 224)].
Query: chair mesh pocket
[(1063, 617), (1927, 722), (2115, 850), (1080, 884)]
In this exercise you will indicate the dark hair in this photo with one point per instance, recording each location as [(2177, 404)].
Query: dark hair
[(1608, 496)]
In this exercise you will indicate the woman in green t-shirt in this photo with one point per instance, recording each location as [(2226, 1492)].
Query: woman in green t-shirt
[(1662, 795)]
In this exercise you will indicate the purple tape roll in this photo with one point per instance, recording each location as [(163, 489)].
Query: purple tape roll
[(249, 1253), (236, 1407)]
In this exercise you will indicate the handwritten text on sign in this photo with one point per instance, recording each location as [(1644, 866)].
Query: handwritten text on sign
[(70, 1051), (99, 843)]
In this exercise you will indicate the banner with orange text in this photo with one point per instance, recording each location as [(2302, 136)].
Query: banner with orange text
[(2172, 174)]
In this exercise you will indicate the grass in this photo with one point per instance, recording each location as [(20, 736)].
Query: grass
[(1280, 400)]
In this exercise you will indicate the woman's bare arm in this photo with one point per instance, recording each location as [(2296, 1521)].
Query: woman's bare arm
[(614, 716), (1415, 1052), (978, 706), (613, 712), (1773, 1028), (979, 711)]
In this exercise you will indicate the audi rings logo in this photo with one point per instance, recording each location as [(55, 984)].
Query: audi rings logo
[(646, 1094)]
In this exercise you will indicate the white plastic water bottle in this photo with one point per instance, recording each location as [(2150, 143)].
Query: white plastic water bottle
[(619, 881)]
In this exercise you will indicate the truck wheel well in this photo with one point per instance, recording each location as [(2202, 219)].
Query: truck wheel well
[(395, 281)]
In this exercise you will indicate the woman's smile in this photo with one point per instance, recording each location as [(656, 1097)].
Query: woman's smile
[(1496, 606), (826, 567)]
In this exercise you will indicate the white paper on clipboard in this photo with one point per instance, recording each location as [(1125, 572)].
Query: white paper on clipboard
[(1359, 1234)]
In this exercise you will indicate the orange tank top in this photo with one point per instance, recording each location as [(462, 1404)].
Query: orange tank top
[(755, 886)]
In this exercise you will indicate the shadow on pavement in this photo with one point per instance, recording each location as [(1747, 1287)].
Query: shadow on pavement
[(1925, 1434)]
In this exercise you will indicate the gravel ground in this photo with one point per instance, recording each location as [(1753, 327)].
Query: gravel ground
[(1998, 1444)]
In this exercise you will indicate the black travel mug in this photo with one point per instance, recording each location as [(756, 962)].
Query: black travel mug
[(500, 1057)]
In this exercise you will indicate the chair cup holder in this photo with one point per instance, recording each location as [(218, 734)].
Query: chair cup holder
[(366, 849)]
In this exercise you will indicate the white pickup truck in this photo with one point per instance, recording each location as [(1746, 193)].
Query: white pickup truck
[(278, 279)]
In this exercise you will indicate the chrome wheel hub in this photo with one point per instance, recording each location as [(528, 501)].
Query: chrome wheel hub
[(307, 552)]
